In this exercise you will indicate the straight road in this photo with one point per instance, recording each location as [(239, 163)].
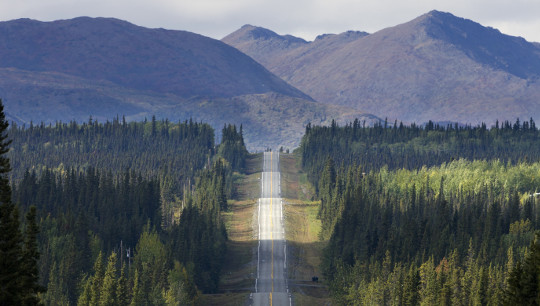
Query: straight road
[(271, 283)]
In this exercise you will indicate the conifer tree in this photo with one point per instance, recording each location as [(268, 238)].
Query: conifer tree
[(410, 291), (137, 296), (84, 298), (108, 288), (513, 294), (30, 272), (122, 295), (11, 291), (531, 270), (97, 279), (10, 255)]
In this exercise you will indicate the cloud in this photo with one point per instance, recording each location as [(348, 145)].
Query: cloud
[(304, 18)]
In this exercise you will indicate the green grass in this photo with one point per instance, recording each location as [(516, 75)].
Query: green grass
[(238, 275), (302, 230)]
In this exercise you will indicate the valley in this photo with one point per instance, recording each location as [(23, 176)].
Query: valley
[(146, 166), (242, 282)]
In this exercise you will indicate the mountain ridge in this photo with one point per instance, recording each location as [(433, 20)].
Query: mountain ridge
[(67, 46), (100, 68), (434, 67)]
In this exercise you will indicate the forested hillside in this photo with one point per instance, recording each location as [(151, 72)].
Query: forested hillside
[(129, 213), (399, 146), (428, 215), (153, 147)]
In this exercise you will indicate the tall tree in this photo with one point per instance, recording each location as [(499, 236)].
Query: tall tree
[(30, 258), (97, 280), (10, 235), (10, 255), (122, 295), (108, 288)]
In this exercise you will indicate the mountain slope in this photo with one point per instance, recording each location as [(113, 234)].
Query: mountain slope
[(436, 67), (100, 68), (269, 119), (178, 62)]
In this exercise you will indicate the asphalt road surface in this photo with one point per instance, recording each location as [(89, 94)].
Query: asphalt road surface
[(271, 282)]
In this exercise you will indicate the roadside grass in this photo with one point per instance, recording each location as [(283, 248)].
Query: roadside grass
[(248, 186), (239, 272), (302, 230)]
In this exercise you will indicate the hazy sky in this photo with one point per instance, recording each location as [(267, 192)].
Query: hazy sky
[(303, 18)]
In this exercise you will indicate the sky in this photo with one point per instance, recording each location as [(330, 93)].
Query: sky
[(301, 18)]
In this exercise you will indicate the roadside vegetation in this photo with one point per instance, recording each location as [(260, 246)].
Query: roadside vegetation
[(238, 277), (302, 231), (127, 213), (427, 215)]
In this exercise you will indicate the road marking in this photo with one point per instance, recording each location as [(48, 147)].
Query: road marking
[(285, 251), (281, 211), (268, 195), (271, 224)]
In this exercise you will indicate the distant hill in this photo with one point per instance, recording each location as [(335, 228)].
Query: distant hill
[(178, 62), (101, 67), (436, 67)]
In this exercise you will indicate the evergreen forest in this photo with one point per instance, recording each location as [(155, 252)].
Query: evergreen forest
[(117, 213), (428, 215)]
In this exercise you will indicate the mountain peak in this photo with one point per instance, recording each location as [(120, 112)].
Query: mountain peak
[(348, 35), (259, 32), (176, 62), (435, 67), (485, 45), (249, 32)]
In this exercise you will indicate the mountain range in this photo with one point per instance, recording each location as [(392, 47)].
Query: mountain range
[(436, 67), (103, 67)]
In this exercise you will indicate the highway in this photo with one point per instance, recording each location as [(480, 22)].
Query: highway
[(271, 283)]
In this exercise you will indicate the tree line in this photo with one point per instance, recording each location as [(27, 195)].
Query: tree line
[(19, 254), (154, 190), (413, 146), (417, 232)]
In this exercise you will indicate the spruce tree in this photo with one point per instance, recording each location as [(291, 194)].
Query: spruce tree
[(84, 298), (108, 288), (137, 296), (10, 255), (30, 258), (95, 289), (122, 294), (411, 295), (531, 270), (10, 236), (513, 294)]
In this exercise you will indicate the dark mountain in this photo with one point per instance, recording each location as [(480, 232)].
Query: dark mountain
[(100, 67), (435, 67)]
